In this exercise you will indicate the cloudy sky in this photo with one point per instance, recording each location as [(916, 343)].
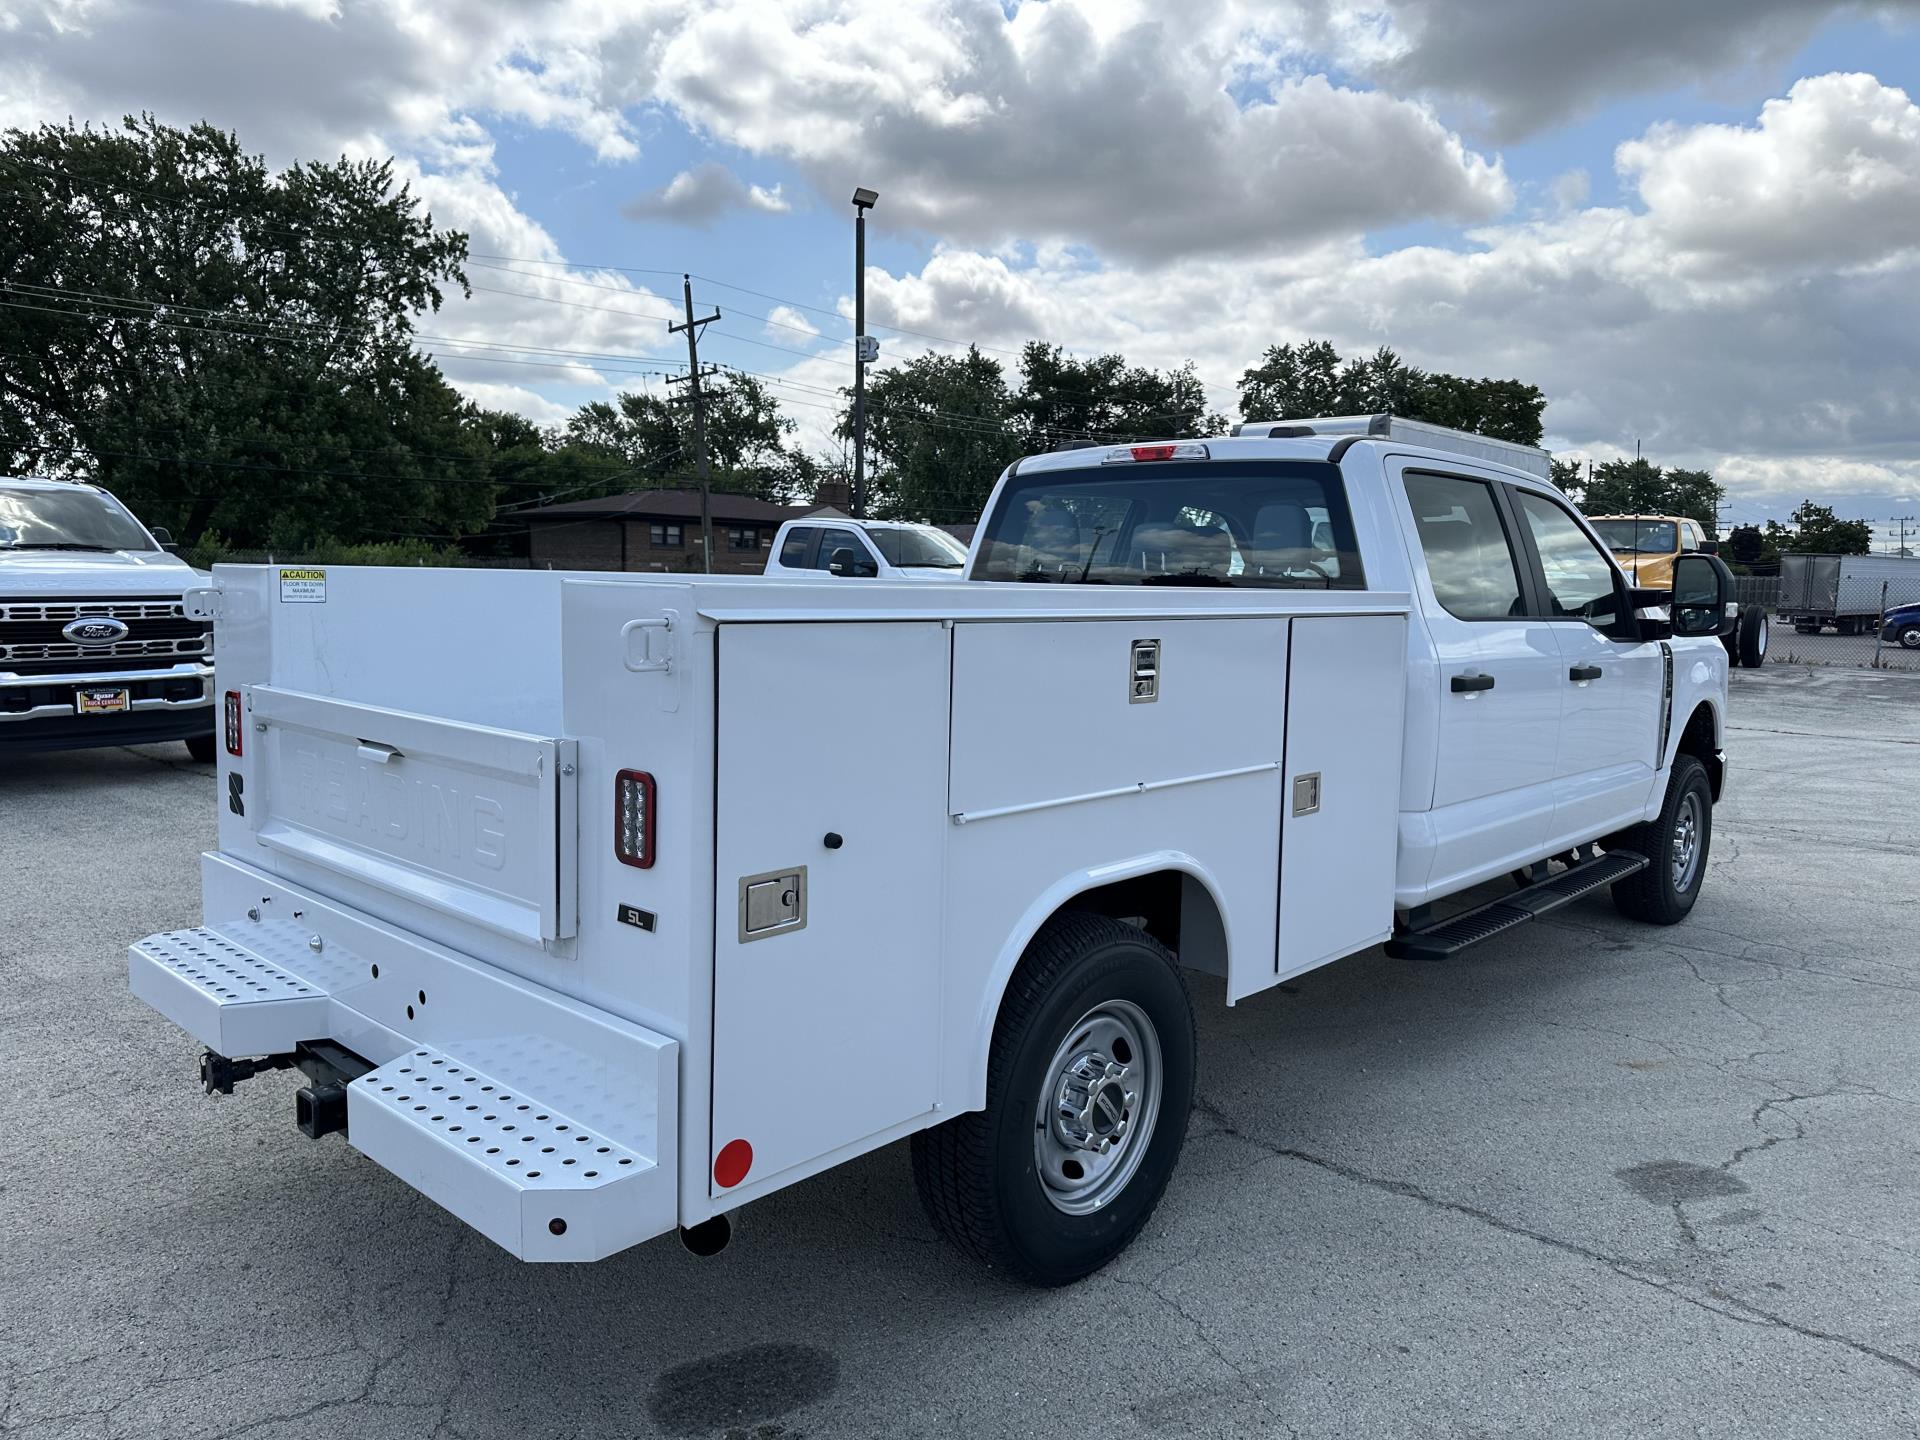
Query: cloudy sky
[(1694, 223)]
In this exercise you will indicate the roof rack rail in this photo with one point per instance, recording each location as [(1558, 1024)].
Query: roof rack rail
[(1528, 458), (1077, 445)]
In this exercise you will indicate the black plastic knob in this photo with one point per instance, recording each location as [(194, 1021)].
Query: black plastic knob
[(832, 840)]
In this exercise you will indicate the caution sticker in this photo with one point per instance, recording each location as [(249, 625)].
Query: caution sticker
[(303, 587)]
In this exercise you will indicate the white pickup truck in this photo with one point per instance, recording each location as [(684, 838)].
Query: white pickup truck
[(96, 647), (575, 900), (814, 547)]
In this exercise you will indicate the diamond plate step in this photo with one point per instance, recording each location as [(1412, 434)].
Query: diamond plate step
[(527, 1174), (1450, 936)]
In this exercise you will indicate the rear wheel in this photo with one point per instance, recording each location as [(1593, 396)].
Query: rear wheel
[(1089, 1082), (1676, 844), (1753, 637)]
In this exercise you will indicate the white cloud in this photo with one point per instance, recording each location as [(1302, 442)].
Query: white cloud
[(784, 318), (1516, 66), (704, 194), (1064, 122), (1661, 324)]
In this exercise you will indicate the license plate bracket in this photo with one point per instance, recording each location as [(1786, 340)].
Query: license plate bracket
[(101, 699)]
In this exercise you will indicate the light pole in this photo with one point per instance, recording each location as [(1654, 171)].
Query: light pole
[(863, 349)]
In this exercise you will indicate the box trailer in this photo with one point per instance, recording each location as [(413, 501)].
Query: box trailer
[(1847, 592)]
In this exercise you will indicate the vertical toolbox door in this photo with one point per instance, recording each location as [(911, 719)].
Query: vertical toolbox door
[(826, 957)]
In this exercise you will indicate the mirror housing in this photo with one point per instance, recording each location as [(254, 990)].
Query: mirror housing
[(1702, 588), (849, 563), (1709, 547), (163, 537)]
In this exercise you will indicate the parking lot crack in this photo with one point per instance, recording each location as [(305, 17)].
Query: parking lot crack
[(1715, 1300)]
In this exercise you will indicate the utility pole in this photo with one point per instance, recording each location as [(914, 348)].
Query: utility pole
[(698, 396), (1903, 521), (863, 348)]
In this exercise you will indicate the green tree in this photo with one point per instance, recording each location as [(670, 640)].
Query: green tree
[(939, 432), (1103, 398), (653, 438), (1640, 487), (1817, 530), (1571, 478), (229, 348), (1745, 546), (1297, 381)]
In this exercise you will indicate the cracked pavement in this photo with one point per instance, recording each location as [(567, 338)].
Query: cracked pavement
[(1591, 1178)]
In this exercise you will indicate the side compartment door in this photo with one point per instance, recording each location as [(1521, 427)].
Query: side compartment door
[(831, 756), (1614, 687), (1499, 674)]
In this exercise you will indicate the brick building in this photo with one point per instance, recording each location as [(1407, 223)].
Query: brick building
[(654, 530)]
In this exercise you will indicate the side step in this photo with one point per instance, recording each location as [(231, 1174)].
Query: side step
[(1450, 936)]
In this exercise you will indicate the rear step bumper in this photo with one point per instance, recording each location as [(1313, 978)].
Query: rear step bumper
[(1454, 934), (544, 1123)]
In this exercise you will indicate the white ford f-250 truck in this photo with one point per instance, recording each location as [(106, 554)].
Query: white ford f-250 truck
[(815, 547), (96, 647), (576, 901)]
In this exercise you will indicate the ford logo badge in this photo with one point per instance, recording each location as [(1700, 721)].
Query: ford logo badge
[(95, 630)]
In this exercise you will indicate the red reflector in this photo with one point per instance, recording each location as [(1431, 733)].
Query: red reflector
[(1154, 452), (232, 712), (732, 1164), (633, 804)]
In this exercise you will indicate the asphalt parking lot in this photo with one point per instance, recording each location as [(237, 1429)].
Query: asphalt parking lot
[(1590, 1179)]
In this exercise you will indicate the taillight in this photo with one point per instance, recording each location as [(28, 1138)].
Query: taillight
[(233, 722), (1123, 454), (633, 793)]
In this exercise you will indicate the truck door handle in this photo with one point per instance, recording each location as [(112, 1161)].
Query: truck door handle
[(1584, 672), (1467, 684)]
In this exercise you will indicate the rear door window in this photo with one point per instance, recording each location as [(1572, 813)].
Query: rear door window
[(1245, 524), (1470, 558)]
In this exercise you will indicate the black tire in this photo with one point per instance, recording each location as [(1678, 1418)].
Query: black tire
[(1908, 636), (1753, 637), (202, 747), (1660, 894), (978, 1175)]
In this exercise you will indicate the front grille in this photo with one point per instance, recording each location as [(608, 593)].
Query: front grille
[(158, 633)]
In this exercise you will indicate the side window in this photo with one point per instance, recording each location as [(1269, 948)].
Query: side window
[(1580, 579), (832, 540), (1469, 556), (1692, 538), (793, 550)]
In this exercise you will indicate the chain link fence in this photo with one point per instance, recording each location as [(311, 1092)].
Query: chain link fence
[(1866, 619)]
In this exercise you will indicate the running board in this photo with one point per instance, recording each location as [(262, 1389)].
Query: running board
[(1450, 936)]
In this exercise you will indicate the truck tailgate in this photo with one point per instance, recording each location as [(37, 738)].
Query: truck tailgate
[(469, 820)]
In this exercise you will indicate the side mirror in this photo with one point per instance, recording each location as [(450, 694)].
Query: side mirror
[(1702, 586), (164, 537), (1709, 547), (849, 563)]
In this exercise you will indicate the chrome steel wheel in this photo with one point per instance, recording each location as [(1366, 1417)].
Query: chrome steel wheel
[(1686, 842), (1910, 637), (1097, 1107)]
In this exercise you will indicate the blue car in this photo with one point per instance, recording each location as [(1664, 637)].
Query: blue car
[(1903, 625)]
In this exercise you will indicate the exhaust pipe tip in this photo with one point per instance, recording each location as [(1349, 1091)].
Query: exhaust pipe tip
[(707, 1238), (320, 1110)]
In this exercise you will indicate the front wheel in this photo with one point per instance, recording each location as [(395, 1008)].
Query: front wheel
[(1908, 636), (1676, 844), (1089, 1082)]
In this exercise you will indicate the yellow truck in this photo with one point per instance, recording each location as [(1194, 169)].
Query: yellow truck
[(1646, 547)]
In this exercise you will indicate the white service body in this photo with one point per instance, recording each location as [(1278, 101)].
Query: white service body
[(867, 800)]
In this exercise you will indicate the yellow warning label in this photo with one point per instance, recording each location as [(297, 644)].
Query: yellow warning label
[(303, 586)]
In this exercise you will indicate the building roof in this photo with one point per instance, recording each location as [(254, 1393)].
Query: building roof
[(667, 505)]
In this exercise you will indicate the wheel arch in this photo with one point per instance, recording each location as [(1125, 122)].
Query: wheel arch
[(1700, 737), (1175, 893)]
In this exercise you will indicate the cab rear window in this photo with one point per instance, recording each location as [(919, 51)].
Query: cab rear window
[(1245, 524)]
